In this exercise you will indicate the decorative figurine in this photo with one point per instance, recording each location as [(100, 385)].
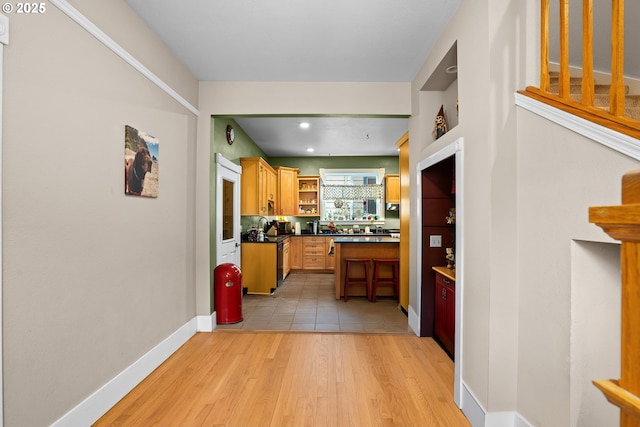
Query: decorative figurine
[(441, 124), (451, 219), (450, 259)]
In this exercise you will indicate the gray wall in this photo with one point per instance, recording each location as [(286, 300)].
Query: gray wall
[(93, 279)]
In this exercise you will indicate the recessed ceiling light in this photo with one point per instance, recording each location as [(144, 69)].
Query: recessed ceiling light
[(305, 125), (451, 70), (310, 149)]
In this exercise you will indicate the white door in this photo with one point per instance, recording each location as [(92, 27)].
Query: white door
[(227, 211)]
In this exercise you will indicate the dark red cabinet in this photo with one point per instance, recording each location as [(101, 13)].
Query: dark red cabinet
[(445, 312)]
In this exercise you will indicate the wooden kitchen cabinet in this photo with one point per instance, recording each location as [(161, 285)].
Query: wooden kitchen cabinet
[(272, 184), (259, 267), (286, 258), (287, 199), (330, 258), (258, 187), (295, 252), (308, 195), (445, 311), (313, 257), (392, 188)]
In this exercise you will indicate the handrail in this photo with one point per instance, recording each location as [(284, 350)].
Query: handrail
[(623, 223), (616, 112)]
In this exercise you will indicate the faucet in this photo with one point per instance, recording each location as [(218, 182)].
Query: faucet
[(266, 221)]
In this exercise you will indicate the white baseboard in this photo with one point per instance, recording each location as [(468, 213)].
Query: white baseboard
[(96, 405), (479, 417), (472, 409), (520, 421), (207, 323), (414, 321)]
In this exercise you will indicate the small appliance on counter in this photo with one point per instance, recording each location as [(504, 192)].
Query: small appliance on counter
[(284, 227), (312, 227)]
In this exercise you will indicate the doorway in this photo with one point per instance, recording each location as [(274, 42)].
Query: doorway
[(449, 164), (228, 216)]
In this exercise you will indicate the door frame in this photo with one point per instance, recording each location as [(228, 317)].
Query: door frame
[(4, 40), (223, 163), (455, 148)]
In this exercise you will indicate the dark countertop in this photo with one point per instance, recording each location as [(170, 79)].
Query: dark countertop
[(344, 238), (268, 239), (369, 238)]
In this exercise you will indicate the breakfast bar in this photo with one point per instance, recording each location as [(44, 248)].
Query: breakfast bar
[(363, 246)]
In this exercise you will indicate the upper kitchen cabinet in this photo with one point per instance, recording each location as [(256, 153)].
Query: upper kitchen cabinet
[(308, 195), (258, 187), (392, 188), (287, 202)]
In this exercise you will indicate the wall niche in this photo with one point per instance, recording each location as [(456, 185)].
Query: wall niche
[(441, 89)]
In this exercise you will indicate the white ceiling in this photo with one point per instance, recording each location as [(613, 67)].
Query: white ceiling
[(304, 40), (326, 135)]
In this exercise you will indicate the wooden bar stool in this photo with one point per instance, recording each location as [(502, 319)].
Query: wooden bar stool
[(394, 280), (348, 280)]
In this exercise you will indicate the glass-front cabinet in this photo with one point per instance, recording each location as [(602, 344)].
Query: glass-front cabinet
[(352, 195), (308, 195)]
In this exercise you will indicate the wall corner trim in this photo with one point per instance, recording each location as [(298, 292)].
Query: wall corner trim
[(207, 323), (92, 29), (615, 140), (97, 404)]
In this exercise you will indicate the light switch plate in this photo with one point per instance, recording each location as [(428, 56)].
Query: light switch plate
[(435, 241)]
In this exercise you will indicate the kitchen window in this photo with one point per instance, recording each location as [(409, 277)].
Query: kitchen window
[(352, 195)]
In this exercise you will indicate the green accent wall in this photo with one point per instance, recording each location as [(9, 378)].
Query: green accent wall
[(243, 146), (312, 165)]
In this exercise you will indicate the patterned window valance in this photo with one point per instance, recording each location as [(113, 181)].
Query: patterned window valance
[(353, 192)]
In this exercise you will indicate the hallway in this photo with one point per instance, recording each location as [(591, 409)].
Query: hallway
[(255, 379), (306, 301)]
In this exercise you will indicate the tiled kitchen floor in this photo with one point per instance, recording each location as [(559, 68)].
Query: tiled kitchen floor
[(306, 301)]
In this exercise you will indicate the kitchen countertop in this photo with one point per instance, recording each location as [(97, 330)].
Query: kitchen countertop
[(270, 239), (446, 272), (365, 239), (338, 238)]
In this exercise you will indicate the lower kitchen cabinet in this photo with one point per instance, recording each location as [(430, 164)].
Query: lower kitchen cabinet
[(313, 253), (286, 258), (330, 256), (295, 252), (259, 267), (445, 311)]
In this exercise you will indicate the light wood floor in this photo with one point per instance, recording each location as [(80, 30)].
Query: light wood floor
[(241, 378)]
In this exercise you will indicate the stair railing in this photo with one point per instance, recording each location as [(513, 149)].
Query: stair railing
[(623, 223), (615, 117)]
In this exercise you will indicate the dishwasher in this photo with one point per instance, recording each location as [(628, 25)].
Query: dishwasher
[(279, 262)]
